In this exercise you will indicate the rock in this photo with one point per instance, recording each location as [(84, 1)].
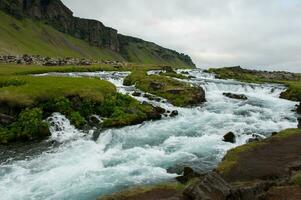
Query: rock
[(156, 85), (136, 94), (210, 187), (151, 97), (175, 90), (174, 113), (188, 174), (229, 137), (184, 72), (95, 120), (299, 122), (255, 138), (168, 69), (6, 119), (299, 108), (236, 96)]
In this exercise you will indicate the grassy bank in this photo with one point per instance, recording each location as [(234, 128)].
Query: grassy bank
[(263, 158), (292, 81), (29, 100), (176, 92)]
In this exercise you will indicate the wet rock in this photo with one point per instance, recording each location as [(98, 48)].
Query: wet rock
[(136, 94), (95, 120), (230, 137), (299, 108), (156, 85), (211, 186), (174, 113), (6, 119), (299, 122), (255, 138), (236, 96), (185, 72), (188, 174)]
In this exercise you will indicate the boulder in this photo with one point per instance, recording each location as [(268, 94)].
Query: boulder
[(236, 96), (188, 174), (156, 85), (174, 113), (230, 137), (211, 186), (6, 119), (136, 94)]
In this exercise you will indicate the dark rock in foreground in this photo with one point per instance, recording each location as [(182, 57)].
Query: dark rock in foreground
[(236, 96), (229, 137)]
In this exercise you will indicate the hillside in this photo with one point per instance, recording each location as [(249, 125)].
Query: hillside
[(48, 28)]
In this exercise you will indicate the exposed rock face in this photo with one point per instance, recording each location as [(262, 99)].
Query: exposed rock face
[(56, 14)]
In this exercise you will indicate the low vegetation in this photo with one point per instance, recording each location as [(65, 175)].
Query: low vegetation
[(233, 156), (176, 92), (32, 99)]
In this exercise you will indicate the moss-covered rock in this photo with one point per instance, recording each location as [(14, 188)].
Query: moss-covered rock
[(266, 159), (176, 92)]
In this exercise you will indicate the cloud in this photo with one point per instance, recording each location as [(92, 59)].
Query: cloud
[(254, 34)]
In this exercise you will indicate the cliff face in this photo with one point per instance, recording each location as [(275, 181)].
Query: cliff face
[(60, 17), (56, 14)]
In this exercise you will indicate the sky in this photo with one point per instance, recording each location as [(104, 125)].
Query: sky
[(257, 34)]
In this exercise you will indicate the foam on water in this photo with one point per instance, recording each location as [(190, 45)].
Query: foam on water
[(80, 168)]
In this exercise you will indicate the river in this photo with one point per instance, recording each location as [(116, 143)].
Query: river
[(81, 168)]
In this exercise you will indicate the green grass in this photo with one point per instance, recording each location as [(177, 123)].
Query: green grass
[(293, 91), (149, 53), (35, 89), (233, 156), (186, 96), (31, 37)]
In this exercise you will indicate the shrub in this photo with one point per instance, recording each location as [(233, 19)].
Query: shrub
[(77, 120), (30, 125)]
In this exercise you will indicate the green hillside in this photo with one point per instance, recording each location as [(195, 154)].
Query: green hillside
[(26, 36), (35, 37)]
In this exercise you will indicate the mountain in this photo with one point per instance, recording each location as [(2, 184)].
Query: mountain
[(48, 27)]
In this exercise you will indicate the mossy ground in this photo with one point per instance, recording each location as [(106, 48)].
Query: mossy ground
[(184, 97), (233, 156), (141, 191)]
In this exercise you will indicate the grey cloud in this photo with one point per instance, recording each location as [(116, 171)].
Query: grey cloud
[(254, 34)]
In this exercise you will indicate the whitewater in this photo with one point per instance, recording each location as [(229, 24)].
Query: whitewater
[(79, 168)]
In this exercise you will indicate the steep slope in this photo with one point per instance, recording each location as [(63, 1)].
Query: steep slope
[(31, 37), (57, 15)]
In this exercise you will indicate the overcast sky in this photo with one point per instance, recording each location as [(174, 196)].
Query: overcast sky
[(259, 34)]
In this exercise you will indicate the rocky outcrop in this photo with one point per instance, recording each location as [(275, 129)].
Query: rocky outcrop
[(56, 14), (236, 96), (212, 186)]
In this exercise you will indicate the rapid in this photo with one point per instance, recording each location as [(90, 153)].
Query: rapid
[(81, 168)]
